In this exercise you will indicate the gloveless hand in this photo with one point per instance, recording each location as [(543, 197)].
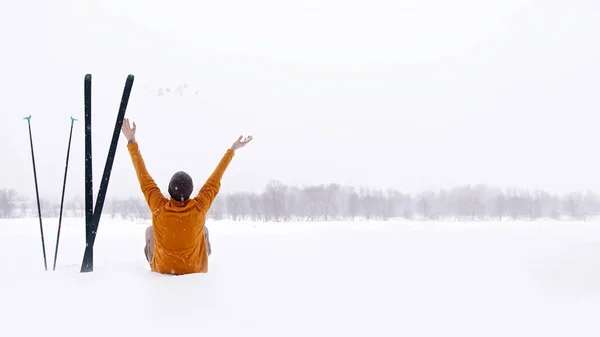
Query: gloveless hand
[(128, 131), (241, 142)]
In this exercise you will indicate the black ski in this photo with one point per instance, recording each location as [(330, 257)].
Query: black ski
[(89, 187)]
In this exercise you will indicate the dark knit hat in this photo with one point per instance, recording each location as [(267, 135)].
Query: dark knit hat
[(181, 186)]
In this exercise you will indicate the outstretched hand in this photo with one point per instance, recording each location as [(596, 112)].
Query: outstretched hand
[(128, 131), (241, 142)]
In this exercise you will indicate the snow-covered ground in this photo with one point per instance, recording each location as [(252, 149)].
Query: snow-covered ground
[(310, 279)]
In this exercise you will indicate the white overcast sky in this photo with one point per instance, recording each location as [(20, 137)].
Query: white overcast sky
[(402, 94)]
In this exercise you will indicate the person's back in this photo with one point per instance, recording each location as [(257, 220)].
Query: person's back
[(177, 243)]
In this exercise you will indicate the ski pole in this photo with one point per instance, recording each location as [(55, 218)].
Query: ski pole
[(37, 194), (62, 199)]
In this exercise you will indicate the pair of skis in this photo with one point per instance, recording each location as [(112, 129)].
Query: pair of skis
[(92, 216)]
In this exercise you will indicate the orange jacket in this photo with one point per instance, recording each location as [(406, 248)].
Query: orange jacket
[(179, 244)]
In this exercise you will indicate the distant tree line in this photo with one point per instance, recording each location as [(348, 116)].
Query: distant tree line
[(333, 202)]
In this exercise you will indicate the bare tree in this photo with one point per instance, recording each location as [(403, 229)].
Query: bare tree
[(217, 209), (114, 208), (235, 205), (257, 210), (331, 194), (369, 204), (426, 200), (24, 206), (353, 207), (294, 206), (8, 202), (274, 200), (500, 206), (313, 198)]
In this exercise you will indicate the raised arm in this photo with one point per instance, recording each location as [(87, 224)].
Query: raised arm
[(152, 193), (210, 189)]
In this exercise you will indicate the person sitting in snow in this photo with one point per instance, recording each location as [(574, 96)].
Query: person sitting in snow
[(178, 242)]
